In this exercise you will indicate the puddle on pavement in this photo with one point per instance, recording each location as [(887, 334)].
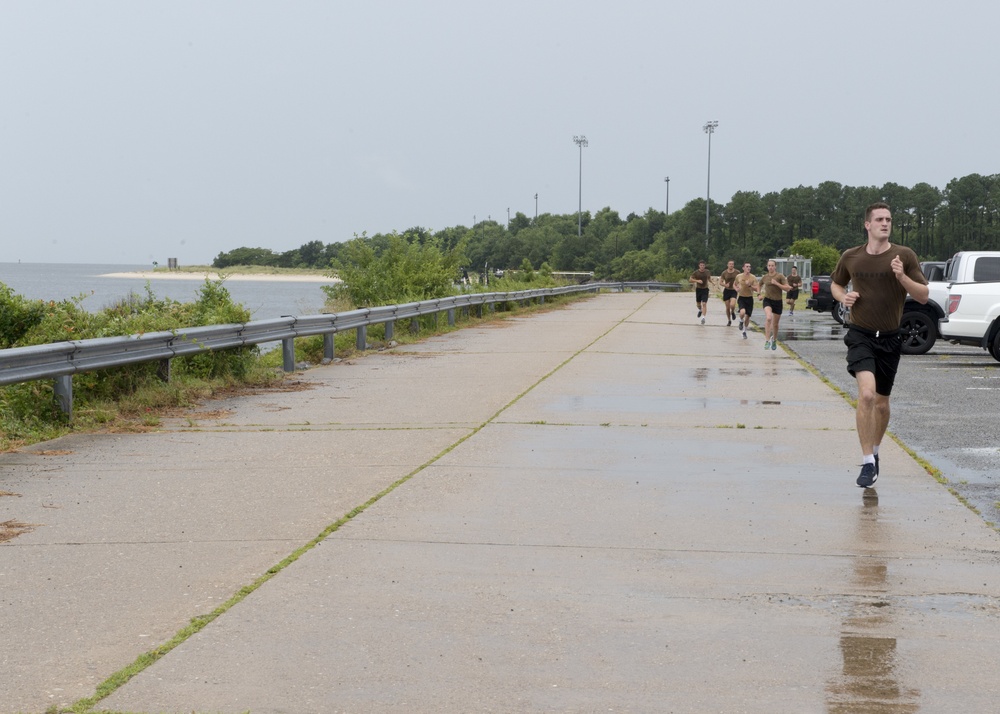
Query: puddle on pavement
[(809, 326)]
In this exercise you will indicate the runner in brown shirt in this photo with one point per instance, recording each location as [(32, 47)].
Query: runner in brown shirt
[(881, 275), (773, 284), (795, 280), (727, 278), (701, 279), (746, 287)]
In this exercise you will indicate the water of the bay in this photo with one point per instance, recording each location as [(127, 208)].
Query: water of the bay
[(265, 299)]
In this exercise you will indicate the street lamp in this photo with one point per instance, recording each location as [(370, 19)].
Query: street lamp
[(580, 141), (667, 211), (709, 129), (536, 208)]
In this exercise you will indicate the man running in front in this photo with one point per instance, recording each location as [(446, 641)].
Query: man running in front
[(881, 274)]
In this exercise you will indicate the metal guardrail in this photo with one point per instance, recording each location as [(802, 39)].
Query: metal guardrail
[(61, 360)]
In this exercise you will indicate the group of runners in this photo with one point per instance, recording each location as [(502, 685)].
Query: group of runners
[(739, 290)]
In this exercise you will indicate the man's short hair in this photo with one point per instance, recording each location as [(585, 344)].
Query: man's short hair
[(874, 207)]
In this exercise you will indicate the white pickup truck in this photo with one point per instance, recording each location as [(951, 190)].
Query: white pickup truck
[(973, 304)]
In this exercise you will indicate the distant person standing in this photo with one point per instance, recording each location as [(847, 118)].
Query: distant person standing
[(701, 279), (880, 274), (772, 284), (727, 279), (747, 286), (795, 280)]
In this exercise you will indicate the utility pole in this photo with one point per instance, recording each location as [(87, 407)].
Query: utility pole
[(709, 129), (580, 141)]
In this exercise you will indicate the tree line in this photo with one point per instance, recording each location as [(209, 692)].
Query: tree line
[(817, 222)]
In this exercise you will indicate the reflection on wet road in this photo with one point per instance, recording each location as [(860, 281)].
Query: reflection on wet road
[(807, 325), (869, 677)]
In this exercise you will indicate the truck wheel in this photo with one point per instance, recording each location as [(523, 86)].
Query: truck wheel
[(919, 332), (839, 312), (995, 347)]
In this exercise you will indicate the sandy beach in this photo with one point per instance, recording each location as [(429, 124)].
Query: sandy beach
[(259, 277)]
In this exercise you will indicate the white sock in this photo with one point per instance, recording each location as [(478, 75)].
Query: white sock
[(875, 450), (869, 459)]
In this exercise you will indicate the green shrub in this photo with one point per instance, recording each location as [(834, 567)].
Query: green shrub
[(400, 272), (17, 316)]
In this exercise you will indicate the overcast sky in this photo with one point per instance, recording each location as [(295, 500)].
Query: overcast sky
[(133, 132)]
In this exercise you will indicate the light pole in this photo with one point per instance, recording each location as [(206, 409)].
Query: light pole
[(536, 208), (667, 211), (709, 129), (580, 141)]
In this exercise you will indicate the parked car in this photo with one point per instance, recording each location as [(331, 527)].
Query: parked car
[(973, 316), (822, 299), (922, 324)]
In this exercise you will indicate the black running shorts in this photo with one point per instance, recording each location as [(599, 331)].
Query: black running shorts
[(878, 355), (775, 305)]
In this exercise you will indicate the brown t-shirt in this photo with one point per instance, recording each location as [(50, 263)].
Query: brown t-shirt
[(795, 281), (746, 284), (881, 297), (704, 276), (727, 278), (770, 284)]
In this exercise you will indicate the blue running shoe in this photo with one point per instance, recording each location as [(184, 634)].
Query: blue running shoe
[(868, 476)]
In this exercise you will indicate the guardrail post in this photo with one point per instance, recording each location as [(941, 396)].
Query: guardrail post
[(362, 340), (64, 394), (451, 317), (390, 330), (541, 299), (414, 325), (163, 370), (328, 345), (288, 354)]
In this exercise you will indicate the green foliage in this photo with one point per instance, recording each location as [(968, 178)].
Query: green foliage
[(636, 265), (245, 256), (401, 271), (527, 273), (824, 257), (17, 316)]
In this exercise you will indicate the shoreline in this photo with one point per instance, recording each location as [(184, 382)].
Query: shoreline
[(212, 275)]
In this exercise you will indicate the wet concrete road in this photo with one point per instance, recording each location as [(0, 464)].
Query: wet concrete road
[(944, 405), (601, 508)]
